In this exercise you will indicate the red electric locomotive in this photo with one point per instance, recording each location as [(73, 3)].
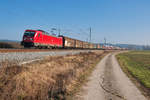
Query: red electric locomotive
[(40, 38)]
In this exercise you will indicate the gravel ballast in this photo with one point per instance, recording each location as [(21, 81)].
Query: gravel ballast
[(27, 56)]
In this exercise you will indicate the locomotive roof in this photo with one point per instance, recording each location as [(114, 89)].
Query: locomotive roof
[(43, 32)]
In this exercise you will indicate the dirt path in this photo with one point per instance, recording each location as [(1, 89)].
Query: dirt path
[(108, 82)]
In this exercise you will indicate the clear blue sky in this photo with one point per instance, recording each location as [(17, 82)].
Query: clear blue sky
[(120, 21)]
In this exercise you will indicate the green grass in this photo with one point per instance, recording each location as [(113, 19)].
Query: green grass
[(137, 63)]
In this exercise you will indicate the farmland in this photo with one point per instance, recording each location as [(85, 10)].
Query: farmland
[(136, 64)]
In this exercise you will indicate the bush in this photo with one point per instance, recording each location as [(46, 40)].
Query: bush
[(5, 45)]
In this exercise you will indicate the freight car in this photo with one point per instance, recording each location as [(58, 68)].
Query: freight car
[(72, 43), (40, 39)]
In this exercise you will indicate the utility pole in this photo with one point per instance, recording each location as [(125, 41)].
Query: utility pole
[(90, 34)]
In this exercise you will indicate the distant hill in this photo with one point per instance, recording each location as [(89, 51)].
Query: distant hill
[(130, 46), (10, 44), (5, 40)]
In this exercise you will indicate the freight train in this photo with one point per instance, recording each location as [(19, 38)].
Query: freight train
[(42, 39)]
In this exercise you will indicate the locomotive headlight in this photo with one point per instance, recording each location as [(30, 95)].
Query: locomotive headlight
[(25, 38), (31, 39)]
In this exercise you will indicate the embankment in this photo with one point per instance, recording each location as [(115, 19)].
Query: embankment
[(53, 78)]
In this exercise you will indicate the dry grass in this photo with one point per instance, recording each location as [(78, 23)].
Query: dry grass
[(51, 78)]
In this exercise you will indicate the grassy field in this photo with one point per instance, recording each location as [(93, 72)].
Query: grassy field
[(137, 64), (54, 78)]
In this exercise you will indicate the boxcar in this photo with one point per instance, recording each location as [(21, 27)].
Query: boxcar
[(79, 44), (91, 45), (95, 46), (98, 46), (68, 42), (85, 45), (71, 43)]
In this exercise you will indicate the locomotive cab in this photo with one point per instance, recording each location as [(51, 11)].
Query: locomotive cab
[(28, 38)]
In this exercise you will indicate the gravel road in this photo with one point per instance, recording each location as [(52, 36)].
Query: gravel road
[(27, 56), (108, 82)]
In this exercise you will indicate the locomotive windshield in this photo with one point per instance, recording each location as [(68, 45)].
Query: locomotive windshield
[(29, 33)]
